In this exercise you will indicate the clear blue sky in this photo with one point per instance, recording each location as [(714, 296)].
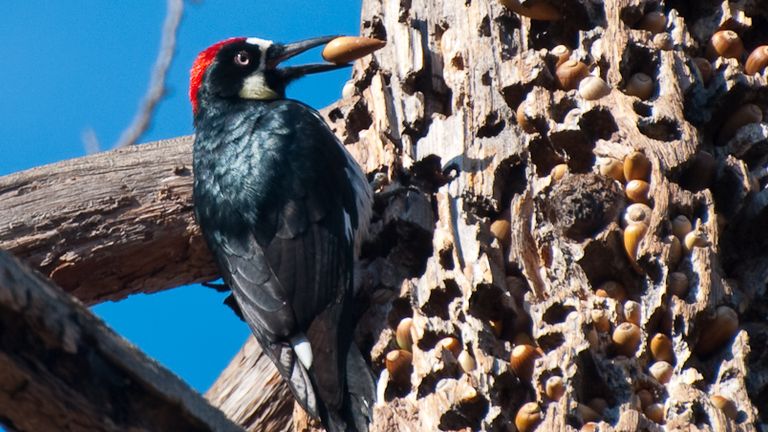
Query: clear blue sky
[(68, 66)]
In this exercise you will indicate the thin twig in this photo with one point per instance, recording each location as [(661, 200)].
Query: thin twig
[(156, 90)]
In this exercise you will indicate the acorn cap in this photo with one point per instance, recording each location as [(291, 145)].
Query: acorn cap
[(522, 360), (637, 166), (570, 73), (561, 54), (600, 320), (345, 49), (528, 416), (558, 172), (554, 387), (661, 348), (626, 339), (638, 213), (757, 60), (662, 371), (695, 239), (403, 333), (719, 329)]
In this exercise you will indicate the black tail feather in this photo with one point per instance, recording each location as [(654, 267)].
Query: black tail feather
[(357, 412)]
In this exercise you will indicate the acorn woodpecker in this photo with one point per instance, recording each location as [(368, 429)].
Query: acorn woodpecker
[(283, 207)]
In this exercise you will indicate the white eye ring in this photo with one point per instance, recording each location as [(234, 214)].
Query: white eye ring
[(242, 58)]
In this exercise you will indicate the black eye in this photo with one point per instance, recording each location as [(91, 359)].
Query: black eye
[(243, 58)]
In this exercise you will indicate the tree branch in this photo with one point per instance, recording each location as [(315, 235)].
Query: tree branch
[(108, 225), (61, 368)]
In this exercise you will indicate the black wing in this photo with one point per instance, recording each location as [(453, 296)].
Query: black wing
[(285, 244)]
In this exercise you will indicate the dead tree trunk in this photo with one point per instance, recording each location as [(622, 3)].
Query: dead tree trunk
[(530, 244), (501, 218)]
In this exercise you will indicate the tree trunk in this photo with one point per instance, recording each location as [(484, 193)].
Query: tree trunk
[(530, 244)]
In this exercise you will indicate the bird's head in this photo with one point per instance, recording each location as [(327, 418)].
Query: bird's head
[(247, 68)]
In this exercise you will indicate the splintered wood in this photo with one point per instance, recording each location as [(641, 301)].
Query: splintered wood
[(545, 133)]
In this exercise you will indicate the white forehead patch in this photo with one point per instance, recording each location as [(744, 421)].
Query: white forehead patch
[(260, 42)]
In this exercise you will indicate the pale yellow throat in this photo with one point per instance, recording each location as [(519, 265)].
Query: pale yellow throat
[(255, 87)]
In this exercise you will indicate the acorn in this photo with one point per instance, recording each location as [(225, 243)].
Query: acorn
[(655, 412), (662, 371), (638, 213), (640, 85), (646, 398), (747, 114), (522, 120), (399, 363), (522, 360), (587, 414), (554, 387), (633, 235), (536, 10), (637, 166), (600, 320), (626, 338), (451, 344), (561, 53), (757, 61), (661, 348), (675, 251), (570, 73), (681, 226), (403, 334), (705, 69), (502, 230), (663, 41), (638, 191), (558, 171), (719, 329), (654, 22), (611, 289), (632, 312), (612, 168), (590, 427), (593, 88), (677, 283), (726, 405), (695, 239), (528, 417), (725, 43), (467, 362), (345, 49)]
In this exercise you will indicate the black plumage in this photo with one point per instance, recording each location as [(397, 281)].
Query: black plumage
[(280, 204)]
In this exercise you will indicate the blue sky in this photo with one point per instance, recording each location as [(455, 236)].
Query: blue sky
[(69, 66)]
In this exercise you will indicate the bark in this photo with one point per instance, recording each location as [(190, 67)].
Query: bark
[(442, 96), (61, 369)]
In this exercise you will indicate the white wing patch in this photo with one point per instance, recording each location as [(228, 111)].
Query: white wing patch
[(303, 350)]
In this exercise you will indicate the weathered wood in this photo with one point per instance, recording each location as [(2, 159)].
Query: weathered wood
[(108, 225), (62, 369)]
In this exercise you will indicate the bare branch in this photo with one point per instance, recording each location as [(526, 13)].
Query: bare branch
[(61, 368), (156, 89)]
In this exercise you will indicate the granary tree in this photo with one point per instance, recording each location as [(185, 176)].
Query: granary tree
[(569, 233)]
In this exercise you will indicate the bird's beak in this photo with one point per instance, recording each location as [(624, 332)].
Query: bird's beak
[(281, 52)]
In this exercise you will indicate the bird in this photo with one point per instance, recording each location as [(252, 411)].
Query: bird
[(283, 208)]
